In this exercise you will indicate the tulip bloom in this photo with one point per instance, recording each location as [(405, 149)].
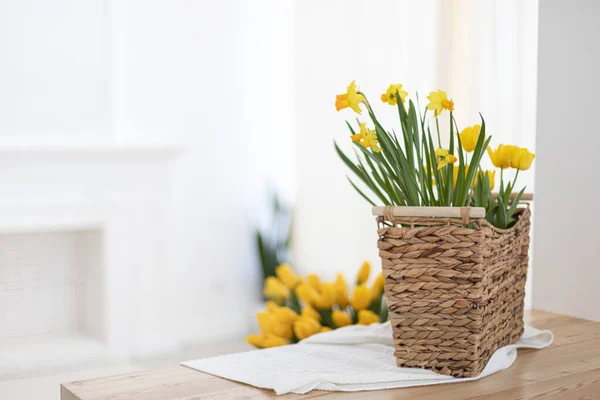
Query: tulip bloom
[(341, 291), (522, 159), (285, 273), (340, 318), (469, 137), (307, 293), (326, 298), (275, 289), (350, 99), (377, 289), (501, 157), (306, 327), (309, 312), (363, 273), (265, 341), (390, 95), (361, 298), (366, 317)]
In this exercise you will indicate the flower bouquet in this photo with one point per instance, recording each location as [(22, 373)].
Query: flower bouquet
[(453, 251), (301, 307)]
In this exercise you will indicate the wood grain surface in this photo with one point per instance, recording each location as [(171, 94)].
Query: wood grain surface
[(568, 369)]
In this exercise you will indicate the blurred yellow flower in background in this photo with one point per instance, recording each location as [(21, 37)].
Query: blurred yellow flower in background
[(444, 158), (438, 101), (390, 95), (275, 289), (367, 138), (469, 137), (350, 99), (361, 298), (340, 319), (306, 327), (315, 306), (367, 317), (363, 273), (341, 291), (285, 273)]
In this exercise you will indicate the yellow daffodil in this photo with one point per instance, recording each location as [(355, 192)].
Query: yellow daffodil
[(340, 318), (521, 159), (324, 329), (265, 341), (469, 137), (313, 281), (377, 288), (443, 158), (367, 138), (367, 317), (501, 157), (306, 327), (491, 174), (285, 273), (390, 95), (310, 312), (350, 99), (271, 306), (326, 297), (275, 289), (266, 322), (438, 101), (363, 273), (307, 293), (361, 298), (341, 291)]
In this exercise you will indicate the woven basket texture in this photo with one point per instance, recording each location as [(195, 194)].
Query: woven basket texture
[(454, 289)]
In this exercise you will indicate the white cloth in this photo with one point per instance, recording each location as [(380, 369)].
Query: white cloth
[(347, 359)]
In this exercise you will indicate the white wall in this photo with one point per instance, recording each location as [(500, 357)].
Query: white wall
[(567, 243), (376, 43)]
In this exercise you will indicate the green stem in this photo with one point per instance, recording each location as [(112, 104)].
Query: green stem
[(514, 180), (437, 125)]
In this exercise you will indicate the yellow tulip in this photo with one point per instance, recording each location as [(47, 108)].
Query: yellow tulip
[(341, 291), (266, 322), (326, 298), (309, 312), (491, 175), (285, 315), (501, 157), (255, 340), (275, 289), (271, 306), (377, 289), (350, 99), (340, 318), (313, 281), (367, 317), (285, 273), (324, 329), (361, 298), (306, 327), (307, 293), (390, 95), (363, 273), (469, 137), (443, 158), (521, 159), (367, 138), (438, 101), (274, 341)]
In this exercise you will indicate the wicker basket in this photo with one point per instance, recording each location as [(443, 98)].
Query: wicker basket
[(454, 284)]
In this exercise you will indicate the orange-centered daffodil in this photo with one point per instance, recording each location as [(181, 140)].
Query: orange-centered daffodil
[(367, 138), (438, 101), (350, 99), (390, 95)]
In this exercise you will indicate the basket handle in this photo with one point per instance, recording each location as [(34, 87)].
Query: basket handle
[(439, 212)]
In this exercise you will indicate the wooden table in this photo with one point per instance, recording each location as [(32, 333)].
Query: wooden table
[(569, 369)]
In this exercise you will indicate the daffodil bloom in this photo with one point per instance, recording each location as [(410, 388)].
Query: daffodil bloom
[(501, 157), (521, 159), (390, 95), (306, 327), (377, 288), (363, 273), (265, 341), (326, 297), (469, 137), (367, 317), (324, 329), (367, 138), (350, 99), (340, 318), (310, 312), (307, 293), (313, 281), (438, 101), (444, 158), (341, 291), (285, 273), (275, 289), (361, 298)]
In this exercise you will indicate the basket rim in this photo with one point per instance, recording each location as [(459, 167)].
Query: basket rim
[(430, 211)]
